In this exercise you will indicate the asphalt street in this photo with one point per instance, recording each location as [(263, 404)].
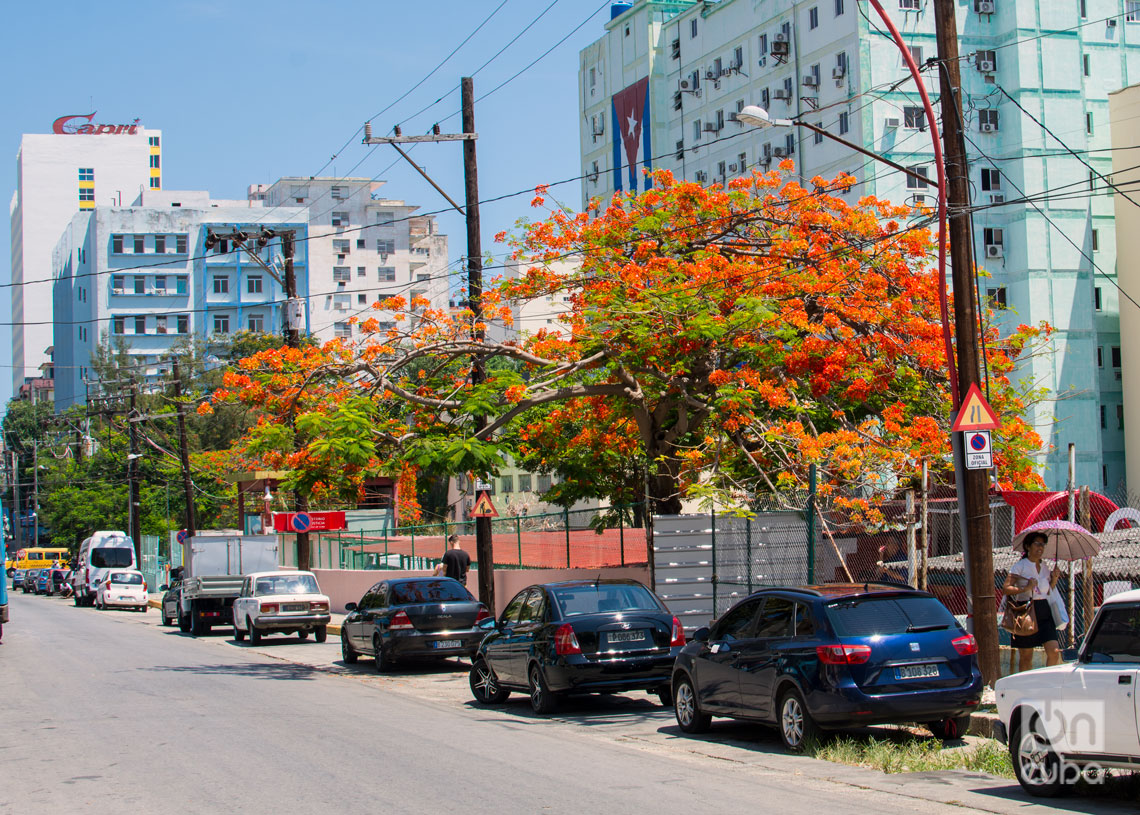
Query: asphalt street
[(107, 712)]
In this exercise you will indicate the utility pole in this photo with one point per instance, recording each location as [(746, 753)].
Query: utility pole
[(17, 525), (135, 522), (484, 553), (973, 485), (36, 492), (184, 451), (293, 340)]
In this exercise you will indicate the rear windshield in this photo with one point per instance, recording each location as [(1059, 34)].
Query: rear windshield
[(575, 600), (428, 591), (867, 616), (107, 557), (127, 577), (287, 584)]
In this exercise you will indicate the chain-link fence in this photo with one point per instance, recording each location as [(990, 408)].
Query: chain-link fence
[(152, 564), (587, 538)]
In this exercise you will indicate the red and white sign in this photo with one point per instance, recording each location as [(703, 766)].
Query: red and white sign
[(308, 521), (64, 125), (975, 413)]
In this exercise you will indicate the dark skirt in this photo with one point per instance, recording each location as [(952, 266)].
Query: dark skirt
[(1046, 628)]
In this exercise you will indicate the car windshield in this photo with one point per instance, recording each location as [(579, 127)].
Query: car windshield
[(108, 557), (593, 599), (1117, 636), (287, 584), (428, 591), (127, 578), (867, 616)]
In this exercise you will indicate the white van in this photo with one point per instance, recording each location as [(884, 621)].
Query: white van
[(98, 553)]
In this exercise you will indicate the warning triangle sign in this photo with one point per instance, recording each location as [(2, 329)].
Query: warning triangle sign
[(975, 413), (483, 506)]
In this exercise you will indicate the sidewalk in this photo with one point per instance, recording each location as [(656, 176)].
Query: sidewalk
[(334, 624)]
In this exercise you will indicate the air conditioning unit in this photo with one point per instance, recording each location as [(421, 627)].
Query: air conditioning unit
[(686, 84), (734, 167), (994, 250), (1111, 22), (735, 66), (997, 198), (892, 122), (810, 80), (779, 48), (918, 201), (701, 176), (838, 72), (781, 37), (984, 7), (778, 152), (710, 127), (118, 291), (780, 93), (986, 66), (763, 62), (711, 74), (986, 127)]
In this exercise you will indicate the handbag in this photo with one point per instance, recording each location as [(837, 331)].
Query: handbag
[(1020, 618), (1057, 606)]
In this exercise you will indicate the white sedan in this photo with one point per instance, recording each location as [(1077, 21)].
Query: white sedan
[(122, 588), (1072, 720), (282, 603)]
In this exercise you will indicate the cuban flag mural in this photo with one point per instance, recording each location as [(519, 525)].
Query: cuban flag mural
[(631, 115)]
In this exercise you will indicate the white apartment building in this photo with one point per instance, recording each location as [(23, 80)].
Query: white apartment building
[(662, 87), (143, 275), (78, 165), (362, 248)]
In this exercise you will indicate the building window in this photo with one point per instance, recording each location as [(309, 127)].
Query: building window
[(155, 182), (140, 284), (140, 325), (914, 117), (987, 120), (1097, 302), (153, 141), (385, 218), (160, 324), (991, 179), (1103, 419), (116, 244), (913, 183), (1084, 8), (118, 283), (340, 219), (256, 322), (1116, 356), (697, 130), (692, 28), (221, 324), (816, 135), (221, 284), (361, 243), (253, 284), (916, 54), (910, 5), (997, 297), (1085, 64), (386, 274), (1088, 123), (1100, 356), (342, 274), (338, 193), (1120, 417), (362, 299), (86, 173), (814, 71), (762, 44), (524, 482), (1132, 11), (180, 244), (838, 8), (154, 160), (180, 284), (140, 244), (183, 324), (544, 483), (342, 247), (386, 247), (844, 123), (342, 330), (992, 236), (813, 17), (87, 194), (789, 144), (160, 283), (841, 62), (1095, 240), (118, 325), (765, 99), (160, 244), (361, 271)]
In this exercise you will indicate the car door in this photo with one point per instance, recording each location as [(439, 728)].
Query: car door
[(360, 629), (1102, 693), (761, 656), (499, 644), (531, 622), (717, 679)]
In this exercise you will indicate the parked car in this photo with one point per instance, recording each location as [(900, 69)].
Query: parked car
[(43, 584), (57, 578), (597, 636), (281, 602), (170, 602), (28, 584), (417, 617), (125, 588), (1064, 720), (829, 657), (17, 578)]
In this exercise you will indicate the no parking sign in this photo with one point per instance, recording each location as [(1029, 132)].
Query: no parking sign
[(979, 456)]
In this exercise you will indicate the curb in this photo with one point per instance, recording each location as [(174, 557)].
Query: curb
[(982, 724)]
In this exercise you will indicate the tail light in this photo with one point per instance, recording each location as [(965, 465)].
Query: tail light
[(566, 641), (400, 622), (965, 645), (482, 615), (843, 654), (318, 606), (269, 608), (144, 585), (678, 637)]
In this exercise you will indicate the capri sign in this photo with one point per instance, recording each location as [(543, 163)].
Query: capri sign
[(66, 125)]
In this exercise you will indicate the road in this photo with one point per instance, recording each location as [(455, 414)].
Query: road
[(107, 712)]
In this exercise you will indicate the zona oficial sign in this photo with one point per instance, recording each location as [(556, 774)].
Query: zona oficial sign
[(63, 126)]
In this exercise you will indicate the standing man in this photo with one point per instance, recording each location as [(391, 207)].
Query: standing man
[(456, 562)]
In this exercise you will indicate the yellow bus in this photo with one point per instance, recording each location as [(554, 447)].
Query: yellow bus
[(37, 557)]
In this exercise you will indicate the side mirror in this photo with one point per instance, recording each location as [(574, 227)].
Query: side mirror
[(488, 624), (164, 587), (350, 606), (701, 634), (1070, 655)]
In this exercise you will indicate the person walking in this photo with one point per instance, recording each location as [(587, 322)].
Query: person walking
[(1032, 579), (456, 561)]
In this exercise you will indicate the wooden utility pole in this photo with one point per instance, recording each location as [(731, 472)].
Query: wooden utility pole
[(973, 484), (184, 452), (293, 340), (17, 524), (133, 500)]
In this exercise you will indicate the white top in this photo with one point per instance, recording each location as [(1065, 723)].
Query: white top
[(1038, 578)]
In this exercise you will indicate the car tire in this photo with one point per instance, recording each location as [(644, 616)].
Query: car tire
[(542, 699), (302, 635), (197, 629), (321, 633), (950, 729), (254, 634), (383, 661), (165, 620), (665, 695), (1037, 767), (239, 635), (144, 609), (797, 728), (183, 622), (687, 709), (348, 654), (485, 685)]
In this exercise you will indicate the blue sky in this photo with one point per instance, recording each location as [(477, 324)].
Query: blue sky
[(249, 91)]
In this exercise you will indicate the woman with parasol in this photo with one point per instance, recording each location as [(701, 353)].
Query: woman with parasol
[(1032, 579)]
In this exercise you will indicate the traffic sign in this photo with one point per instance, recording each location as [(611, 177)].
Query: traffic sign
[(975, 413), (308, 521), (483, 506), (181, 536), (979, 455), (482, 486), (301, 522)]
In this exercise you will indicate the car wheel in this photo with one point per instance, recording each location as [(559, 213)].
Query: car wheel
[(144, 609), (688, 712), (383, 662), (302, 635), (254, 634), (797, 727), (1036, 766), (542, 700), (183, 622), (165, 620), (950, 729), (348, 654), (197, 629), (485, 685), (665, 695), (321, 633), (239, 635)]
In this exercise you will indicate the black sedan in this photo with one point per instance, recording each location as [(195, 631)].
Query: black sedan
[(599, 636), (418, 617), (170, 599), (29, 583)]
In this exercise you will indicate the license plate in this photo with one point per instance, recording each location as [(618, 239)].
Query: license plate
[(447, 644), (916, 671), (624, 636), (295, 607)]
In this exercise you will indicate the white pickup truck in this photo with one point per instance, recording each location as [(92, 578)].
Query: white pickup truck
[(1072, 720)]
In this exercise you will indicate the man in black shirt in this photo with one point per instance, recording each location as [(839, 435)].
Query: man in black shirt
[(456, 562)]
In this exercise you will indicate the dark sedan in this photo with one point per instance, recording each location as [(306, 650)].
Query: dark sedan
[(170, 602), (28, 585), (18, 578), (418, 617), (598, 636)]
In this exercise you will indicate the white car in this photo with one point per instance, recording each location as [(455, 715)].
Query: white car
[(286, 602), (121, 588), (1074, 719)]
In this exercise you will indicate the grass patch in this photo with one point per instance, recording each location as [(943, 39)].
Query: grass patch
[(915, 755)]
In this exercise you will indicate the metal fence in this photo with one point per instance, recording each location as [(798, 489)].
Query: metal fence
[(152, 564), (587, 538)]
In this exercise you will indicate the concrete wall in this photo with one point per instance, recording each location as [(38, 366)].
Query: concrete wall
[(348, 586)]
